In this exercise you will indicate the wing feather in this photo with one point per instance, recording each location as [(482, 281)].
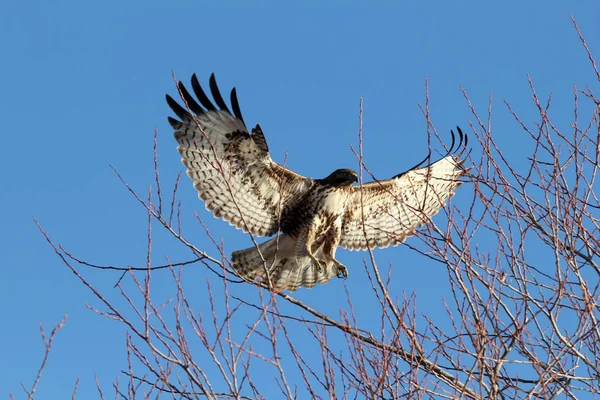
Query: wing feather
[(236, 106), (230, 168), (393, 209), (189, 99), (197, 88), (214, 89)]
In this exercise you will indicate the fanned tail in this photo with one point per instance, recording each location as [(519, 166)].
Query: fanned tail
[(285, 270)]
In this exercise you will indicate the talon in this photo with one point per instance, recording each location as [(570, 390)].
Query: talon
[(342, 271)]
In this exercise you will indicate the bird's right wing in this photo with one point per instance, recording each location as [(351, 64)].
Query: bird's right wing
[(231, 168)]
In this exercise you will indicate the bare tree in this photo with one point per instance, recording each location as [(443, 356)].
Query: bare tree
[(522, 321)]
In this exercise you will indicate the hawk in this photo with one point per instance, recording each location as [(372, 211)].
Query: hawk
[(233, 172)]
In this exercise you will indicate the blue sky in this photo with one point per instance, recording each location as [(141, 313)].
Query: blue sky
[(83, 87)]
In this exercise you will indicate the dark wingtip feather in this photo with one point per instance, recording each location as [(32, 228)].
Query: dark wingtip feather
[(460, 147), (204, 100), (191, 102), (175, 124), (453, 141), (177, 109), (466, 138), (214, 89), (236, 106), (464, 142)]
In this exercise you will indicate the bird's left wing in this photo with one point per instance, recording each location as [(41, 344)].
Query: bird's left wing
[(393, 209), (231, 168)]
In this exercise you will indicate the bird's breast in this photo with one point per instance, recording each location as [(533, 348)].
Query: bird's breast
[(334, 201)]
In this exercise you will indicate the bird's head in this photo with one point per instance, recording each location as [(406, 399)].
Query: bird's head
[(340, 178)]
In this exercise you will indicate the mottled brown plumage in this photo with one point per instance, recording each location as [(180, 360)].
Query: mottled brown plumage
[(239, 182)]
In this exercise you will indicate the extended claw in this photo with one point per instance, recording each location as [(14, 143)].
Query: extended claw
[(342, 270)]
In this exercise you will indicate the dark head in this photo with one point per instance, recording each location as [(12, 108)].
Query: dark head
[(340, 178)]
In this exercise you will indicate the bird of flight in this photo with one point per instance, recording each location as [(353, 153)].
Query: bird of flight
[(233, 172)]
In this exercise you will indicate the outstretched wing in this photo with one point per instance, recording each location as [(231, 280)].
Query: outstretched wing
[(393, 209), (231, 168)]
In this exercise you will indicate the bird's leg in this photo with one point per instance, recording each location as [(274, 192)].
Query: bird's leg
[(303, 247), (329, 259), (316, 262), (330, 247)]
